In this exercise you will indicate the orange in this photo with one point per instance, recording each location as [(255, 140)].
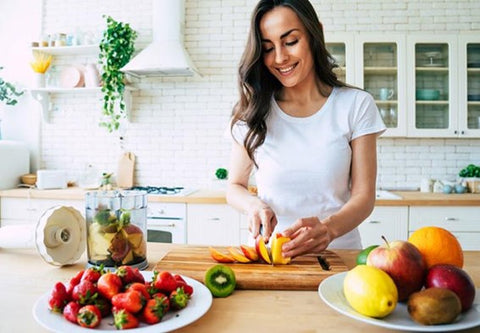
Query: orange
[(438, 246)]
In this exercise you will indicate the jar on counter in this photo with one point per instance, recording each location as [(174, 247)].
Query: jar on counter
[(117, 228)]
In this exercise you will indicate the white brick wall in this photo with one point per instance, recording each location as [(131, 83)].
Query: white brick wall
[(178, 124)]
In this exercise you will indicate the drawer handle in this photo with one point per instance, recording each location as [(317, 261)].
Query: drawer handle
[(451, 219), (169, 225), (374, 222), (214, 219)]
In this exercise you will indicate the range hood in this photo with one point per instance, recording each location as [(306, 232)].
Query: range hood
[(166, 55)]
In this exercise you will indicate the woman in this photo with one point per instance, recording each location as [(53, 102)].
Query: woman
[(311, 138)]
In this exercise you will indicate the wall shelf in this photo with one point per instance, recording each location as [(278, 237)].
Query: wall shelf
[(69, 50), (42, 95)]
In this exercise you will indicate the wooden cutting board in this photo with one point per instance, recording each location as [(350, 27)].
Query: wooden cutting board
[(303, 273), (126, 165)]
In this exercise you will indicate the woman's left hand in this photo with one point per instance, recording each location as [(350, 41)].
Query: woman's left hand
[(308, 235)]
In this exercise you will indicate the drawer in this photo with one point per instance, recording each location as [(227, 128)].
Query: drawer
[(32, 209), (454, 219), (391, 222)]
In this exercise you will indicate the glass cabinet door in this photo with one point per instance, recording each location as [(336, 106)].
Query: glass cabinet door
[(340, 47), (469, 89), (433, 87), (382, 73)]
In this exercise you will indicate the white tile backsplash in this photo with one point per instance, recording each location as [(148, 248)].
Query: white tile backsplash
[(177, 124)]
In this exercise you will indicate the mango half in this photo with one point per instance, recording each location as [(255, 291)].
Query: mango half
[(277, 241)]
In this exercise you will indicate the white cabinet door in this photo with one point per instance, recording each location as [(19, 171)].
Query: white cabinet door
[(391, 222), (213, 224), (463, 222), (16, 211)]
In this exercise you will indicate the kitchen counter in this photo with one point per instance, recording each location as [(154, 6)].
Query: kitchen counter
[(206, 196), (24, 277)]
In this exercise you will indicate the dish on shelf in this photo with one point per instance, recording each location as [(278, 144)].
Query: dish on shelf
[(432, 64), (72, 77), (433, 54), (427, 94)]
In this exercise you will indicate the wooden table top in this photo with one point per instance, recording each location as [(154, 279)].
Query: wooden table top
[(24, 277)]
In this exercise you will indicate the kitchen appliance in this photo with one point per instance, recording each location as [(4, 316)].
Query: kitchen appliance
[(58, 236), (302, 273), (14, 162), (166, 221), (51, 179), (116, 228), (166, 55)]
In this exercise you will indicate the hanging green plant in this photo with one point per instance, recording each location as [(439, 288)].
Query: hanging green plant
[(8, 92), (116, 49)]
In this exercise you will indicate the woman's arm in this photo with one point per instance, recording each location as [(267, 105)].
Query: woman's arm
[(310, 236), (240, 198)]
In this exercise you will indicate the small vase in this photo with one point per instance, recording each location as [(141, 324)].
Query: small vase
[(39, 80)]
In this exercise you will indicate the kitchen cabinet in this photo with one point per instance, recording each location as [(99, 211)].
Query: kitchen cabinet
[(469, 84), (380, 69), (90, 52), (213, 224), (16, 211), (423, 85), (341, 48), (463, 222), (391, 222)]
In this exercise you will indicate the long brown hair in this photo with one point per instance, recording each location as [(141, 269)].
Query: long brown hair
[(257, 85)]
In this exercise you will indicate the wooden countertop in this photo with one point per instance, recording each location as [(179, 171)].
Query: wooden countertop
[(24, 277), (207, 196)]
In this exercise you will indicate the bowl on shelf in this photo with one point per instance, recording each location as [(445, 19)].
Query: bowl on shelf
[(427, 94), (29, 179)]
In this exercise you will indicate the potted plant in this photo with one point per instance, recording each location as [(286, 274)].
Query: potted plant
[(471, 175), (116, 49), (8, 92)]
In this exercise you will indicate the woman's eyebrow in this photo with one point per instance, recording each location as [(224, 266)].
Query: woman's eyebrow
[(282, 36)]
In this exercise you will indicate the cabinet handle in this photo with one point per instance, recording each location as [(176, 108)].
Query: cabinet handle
[(462, 132), (374, 222), (455, 132), (451, 219), (31, 209), (214, 219)]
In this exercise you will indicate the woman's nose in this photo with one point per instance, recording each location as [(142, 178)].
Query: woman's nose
[(280, 56)]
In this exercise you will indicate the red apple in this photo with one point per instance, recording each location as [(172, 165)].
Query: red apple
[(455, 279), (403, 262)]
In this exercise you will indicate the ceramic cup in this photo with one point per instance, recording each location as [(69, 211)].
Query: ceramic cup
[(386, 94)]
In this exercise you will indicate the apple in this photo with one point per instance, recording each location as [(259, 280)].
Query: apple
[(262, 250), (220, 257), (403, 262), (237, 255), (249, 252), (277, 241), (453, 278)]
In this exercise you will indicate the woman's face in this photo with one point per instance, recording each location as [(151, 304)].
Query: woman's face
[(286, 49)]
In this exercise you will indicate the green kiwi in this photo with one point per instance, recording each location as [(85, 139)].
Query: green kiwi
[(220, 280)]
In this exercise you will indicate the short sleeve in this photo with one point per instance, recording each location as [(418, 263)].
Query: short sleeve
[(367, 120), (239, 131)]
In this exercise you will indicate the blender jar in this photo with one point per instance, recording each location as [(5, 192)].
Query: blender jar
[(117, 228)]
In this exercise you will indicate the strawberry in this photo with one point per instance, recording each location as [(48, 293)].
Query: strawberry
[(140, 287), (178, 299), (179, 278), (109, 284), (129, 274), (103, 305), (155, 309), (89, 316), (182, 283), (164, 281), (58, 297), (70, 311), (132, 301), (150, 288), (85, 292), (74, 281), (92, 274), (124, 320)]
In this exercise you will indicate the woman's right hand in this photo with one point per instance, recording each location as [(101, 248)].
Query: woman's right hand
[(261, 216)]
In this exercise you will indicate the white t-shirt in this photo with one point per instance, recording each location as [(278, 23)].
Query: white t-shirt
[(304, 163)]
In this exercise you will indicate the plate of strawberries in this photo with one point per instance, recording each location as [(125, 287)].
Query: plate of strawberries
[(126, 298)]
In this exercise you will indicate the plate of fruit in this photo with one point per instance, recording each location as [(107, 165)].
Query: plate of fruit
[(415, 285), (122, 299)]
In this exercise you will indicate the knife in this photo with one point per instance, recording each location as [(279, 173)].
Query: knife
[(324, 263)]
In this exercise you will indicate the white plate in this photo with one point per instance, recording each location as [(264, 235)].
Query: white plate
[(331, 292), (197, 306)]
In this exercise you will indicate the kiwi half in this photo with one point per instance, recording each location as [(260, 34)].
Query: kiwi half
[(220, 280)]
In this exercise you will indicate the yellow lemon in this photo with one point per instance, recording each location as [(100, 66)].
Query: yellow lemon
[(370, 291)]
